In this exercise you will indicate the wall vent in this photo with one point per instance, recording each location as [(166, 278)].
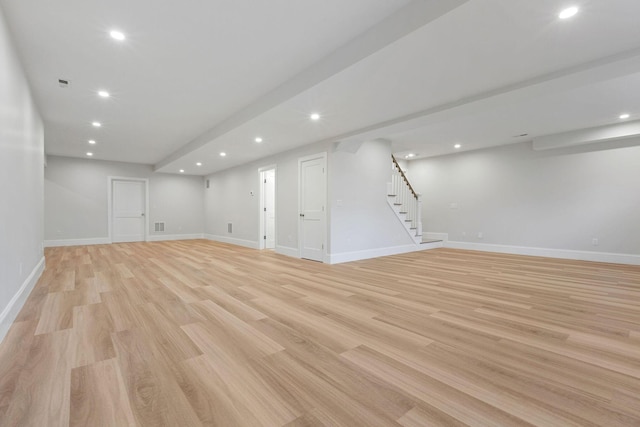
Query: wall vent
[(229, 228), (207, 183), (158, 226)]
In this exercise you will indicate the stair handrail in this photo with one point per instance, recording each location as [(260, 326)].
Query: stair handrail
[(395, 162)]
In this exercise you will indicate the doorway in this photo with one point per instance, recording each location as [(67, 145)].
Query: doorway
[(128, 206), (313, 196), (268, 208)]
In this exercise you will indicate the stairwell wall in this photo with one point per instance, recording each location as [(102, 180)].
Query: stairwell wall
[(360, 222), (363, 225)]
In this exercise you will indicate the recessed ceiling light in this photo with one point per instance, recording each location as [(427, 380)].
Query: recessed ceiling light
[(624, 116), (222, 154), (258, 139), (457, 146), (410, 155), (103, 94), (91, 141), (96, 124), (315, 116), (89, 154), (181, 170), (568, 12), (198, 164), (115, 34)]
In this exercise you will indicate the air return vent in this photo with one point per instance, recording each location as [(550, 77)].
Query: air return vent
[(158, 226), (229, 228), (207, 183)]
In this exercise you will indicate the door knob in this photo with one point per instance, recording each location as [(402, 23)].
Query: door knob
[(302, 215)]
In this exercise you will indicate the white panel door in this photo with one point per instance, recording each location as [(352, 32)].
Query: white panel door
[(312, 208), (270, 209), (128, 214)]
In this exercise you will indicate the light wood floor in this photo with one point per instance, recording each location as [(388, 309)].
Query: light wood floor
[(198, 333)]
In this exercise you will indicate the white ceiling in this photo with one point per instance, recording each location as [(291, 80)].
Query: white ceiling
[(196, 78)]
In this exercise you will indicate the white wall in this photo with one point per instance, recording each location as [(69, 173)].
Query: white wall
[(364, 222), (363, 226), (21, 191), (76, 199), (229, 199), (558, 199)]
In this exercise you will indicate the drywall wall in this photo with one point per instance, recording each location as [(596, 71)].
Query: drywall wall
[(360, 221), (554, 199), (21, 191), (361, 218), (233, 197), (76, 200)]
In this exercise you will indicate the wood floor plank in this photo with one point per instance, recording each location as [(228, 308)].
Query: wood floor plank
[(99, 397), (197, 333), (42, 394), (244, 384), (93, 326), (419, 417), (154, 395), (13, 354)]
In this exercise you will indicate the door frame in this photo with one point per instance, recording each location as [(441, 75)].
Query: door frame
[(261, 171), (110, 180), (323, 156)]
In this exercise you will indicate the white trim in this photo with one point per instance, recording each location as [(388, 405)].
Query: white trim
[(240, 242), (110, 180), (77, 242), (12, 309), (380, 252), (165, 237), (261, 219), (401, 217), (288, 251), (436, 236), (323, 156), (550, 253)]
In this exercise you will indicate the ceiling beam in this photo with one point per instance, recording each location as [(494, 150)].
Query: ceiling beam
[(588, 73), (414, 15), (587, 136)]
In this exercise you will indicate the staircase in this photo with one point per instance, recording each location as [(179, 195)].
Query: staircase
[(405, 202)]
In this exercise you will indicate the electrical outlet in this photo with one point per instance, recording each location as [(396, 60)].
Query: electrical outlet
[(595, 241), (480, 235)]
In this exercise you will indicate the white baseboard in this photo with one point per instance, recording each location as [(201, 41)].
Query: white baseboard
[(165, 237), (435, 236), (240, 242), (379, 252), (288, 251), (550, 253), (77, 242), (12, 309)]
